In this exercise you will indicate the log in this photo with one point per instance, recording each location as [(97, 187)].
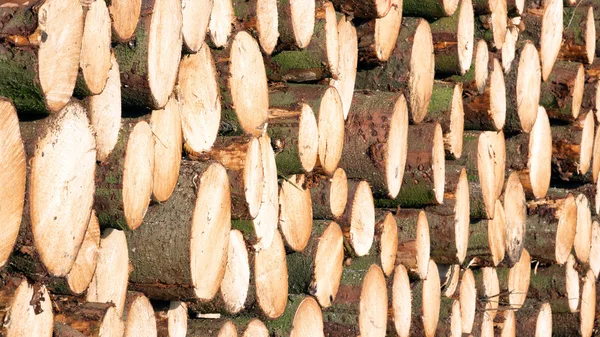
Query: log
[(171, 318), (446, 108), (317, 61), (544, 27), (530, 155), (579, 35), (400, 308), (562, 93), (516, 8), (254, 328), (595, 248), (198, 213), (487, 240), (583, 229), (487, 111), (409, 70), (523, 91), (491, 24), (362, 300), (258, 18), (296, 134), (375, 142), (109, 283), (140, 320), (242, 158), (220, 24), (104, 112), (329, 194), (430, 9), (358, 220), (596, 156), (199, 99), (85, 318), (25, 309), (588, 307), (302, 317), (149, 65), (271, 278), (516, 225), (295, 212), (125, 180), (348, 61), (426, 304), (222, 327), (12, 178), (95, 60), (317, 270), (326, 102), (413, 242), (508, 51), (480, 69), (124, 15), (363, 9), (572, 148), (386, 243), (194, 25), (377, 38), (296, 23), (40, 69)]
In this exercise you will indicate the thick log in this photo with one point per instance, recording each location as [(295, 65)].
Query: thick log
[(302, 317), (377, 38), (430, 9), (363, 9), (25, 309), (317, 61), (171, 318), (149, 65), (12, 178), (376, 138), (409, 70), (543, 21), (85, 318), (194, 26), (358, 220), (175, 233), (330, 194), (326, 103), (572, 148), (579, 35), (139, 316), (348, 53), (40, 57), (453, 41), (446, 108), (562, 93), (487, 111)]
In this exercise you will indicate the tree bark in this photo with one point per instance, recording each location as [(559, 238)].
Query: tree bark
[(85, 318), (171, 318), (363, 9), (430, 9), (562, 93), (572, 149), (579, 36)]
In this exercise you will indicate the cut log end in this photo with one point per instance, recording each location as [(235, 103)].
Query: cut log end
[(248, 84), (338, 193), (551, 35), (265, 222), (518, 280), (361, 218), (140, 316), (422, 68), (497, 234), (481, 65), (468, 301), (583, 230), (138, 171), (587, 143), (596, 156), (454, 141), (177, 316), (401, 301), (543, 325), (528, 86), (491, 290), (509, 48), (588, 305), (308, 138), (221, 22), (308, 319), (125, 15), (267, 21), (590, 35), (211, 223), (256, 328), (423, 245), (388, 243), (438, 165), (234, 287), (348, 61), (456, 320), (572, 283), (540, 154), (270, 273), (372, 317), (461, 216), (514, 205), (64, 160), (80, 276), (498, 22), (331, 130), (578, 91), (565, 231), (12, 178), (254, 177), (386, 31), (95, 60), (29, 309), (303, 21), (166, 128), (332, 46), (397, 147), (431, 299), (465, 37), (328, 265), (295, 212), (486, 170), (497, 96), (595, 249), (195, 17), (452, 280)]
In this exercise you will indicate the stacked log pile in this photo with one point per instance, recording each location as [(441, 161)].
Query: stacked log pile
[(299, 168)]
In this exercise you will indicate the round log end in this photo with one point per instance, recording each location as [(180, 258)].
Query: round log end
[(303, 21), (497, 96), (248, 84), (586, 144), (529, 81), (588, 307), (112, 324), (211, 222), (138, 170), (166, 128), (518, 280), (61, 187), (595, 250), (565, 230), (540, 154), (387, 29), (397, 147), (509, 48), (499, 19), (308, 138), (328, 265), (543, 325), (177, 317), (452, 280), (267, 22), (422, 68), (12, 178), (256, 328), (438, 165), (457, 122), (265, 222), (195, 16), (578, 90), (125, 15), (516, 210), (140, 316), (332, 46), (465, 36), (234, 287), (308, 319), (388, 243), (510, 324), (372, 317), (221, 22), (481, 65), (29, 310), (331, 130), (58, 56), (362, 219), (572, 283), (198, 94), (551, 35), (596, 155), (491, 290), (468, 301), (295, 212), (486, 170), (431, 299), (423, 245), (455, 320), (499, 162), (583, 230), (461, 216), (104, 111), (497, 234), (338, 193), (95, 59), (80, 276), (254, 177), (401, 301), (270, 274), (348, 61), (590, 36)]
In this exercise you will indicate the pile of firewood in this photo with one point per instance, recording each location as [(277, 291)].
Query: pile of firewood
[(299, 168)]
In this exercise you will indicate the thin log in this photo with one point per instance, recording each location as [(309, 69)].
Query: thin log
[(295, 212), (572, 148), (124, 15), (487, 111), (358, 220), (348, 53), (329, 194), (261, 19), (25, 309), (562, 93), (95, 60), (491, 24), (195, 17), (377, 38), (446, 108), (296, 23)]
